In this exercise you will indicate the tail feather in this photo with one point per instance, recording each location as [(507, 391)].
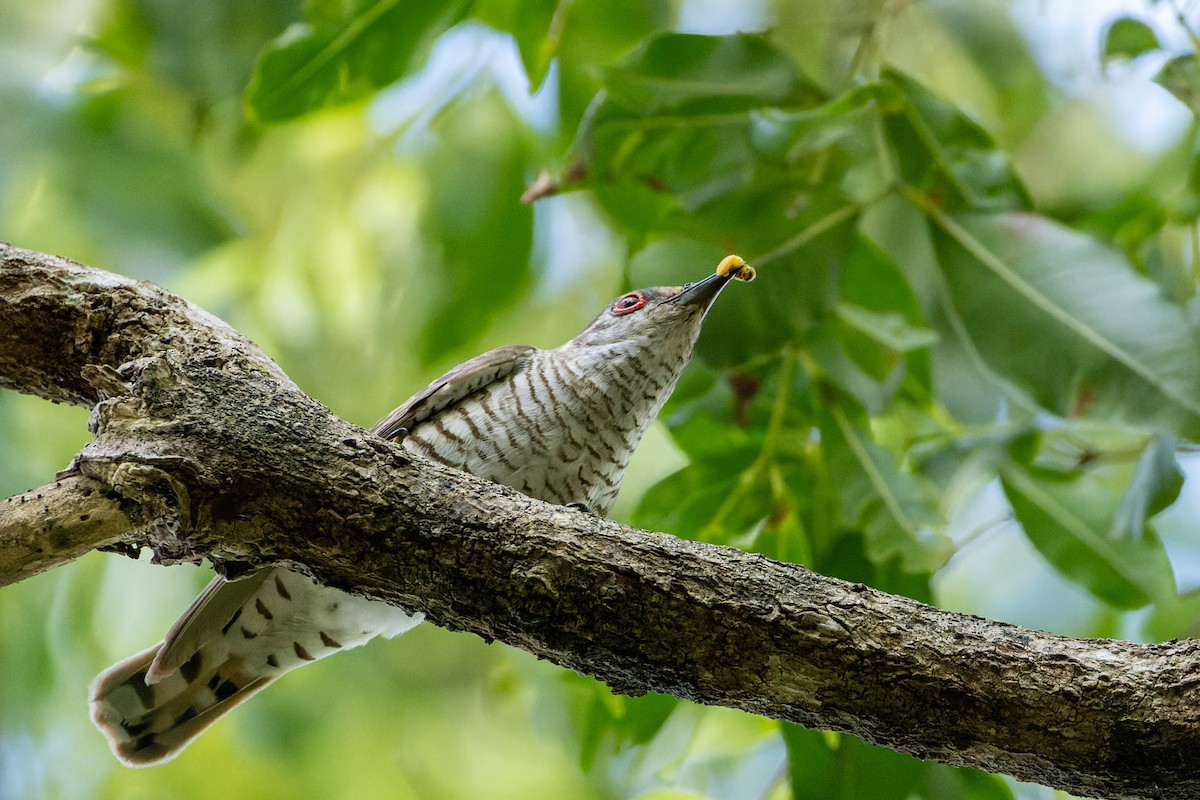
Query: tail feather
[(149, 723), (237, 638)]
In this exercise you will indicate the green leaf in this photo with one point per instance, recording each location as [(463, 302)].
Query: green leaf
[(1070, 321), (606, 723), (1127, 37), (1068, 518), (1181, 77), (897, 510), (672, 132), (833, 766), (595, 34), (345, 52), (1157, 481), (484, 233), (529, 22), (950, 783), (946, 153), (1174, 618), (97, 142), (672, 71), (866, 370), (887, 328), (674, 260), (846, 557), (124, 34), (780, 132), (880, 324)]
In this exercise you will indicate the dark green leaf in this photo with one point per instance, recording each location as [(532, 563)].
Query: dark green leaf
[(1157, 480), (833, 766), (671, 138), (1127, 37), (730, 73), (483, 232), (345, 52), (595, 34), (1181, 77), (949, 155), (846, 557), (529, 22), (607, 723), (950, 783)]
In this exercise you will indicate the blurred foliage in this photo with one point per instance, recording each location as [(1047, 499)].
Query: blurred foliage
[(969, 371)]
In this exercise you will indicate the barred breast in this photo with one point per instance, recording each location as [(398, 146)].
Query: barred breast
[(562, 429)]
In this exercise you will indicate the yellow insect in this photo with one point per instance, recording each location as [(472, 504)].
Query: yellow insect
[(735, 265)]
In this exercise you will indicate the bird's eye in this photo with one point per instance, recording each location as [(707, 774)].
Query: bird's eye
[(628, 302)]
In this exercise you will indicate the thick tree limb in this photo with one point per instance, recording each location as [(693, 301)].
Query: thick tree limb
[(204, 448)]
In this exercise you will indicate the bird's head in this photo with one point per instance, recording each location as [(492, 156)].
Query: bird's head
[(662, 316)]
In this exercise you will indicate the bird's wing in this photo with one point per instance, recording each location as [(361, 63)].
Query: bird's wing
[(455, 385), (221, 598)]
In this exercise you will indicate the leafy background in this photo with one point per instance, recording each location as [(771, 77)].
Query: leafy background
[(969, 371)]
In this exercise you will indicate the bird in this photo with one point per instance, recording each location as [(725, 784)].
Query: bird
[(558, 425)]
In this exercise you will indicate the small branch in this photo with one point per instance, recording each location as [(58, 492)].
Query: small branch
[(46, 527)]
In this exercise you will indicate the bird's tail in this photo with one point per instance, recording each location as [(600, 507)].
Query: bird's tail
[(235, 639), (151, 722)]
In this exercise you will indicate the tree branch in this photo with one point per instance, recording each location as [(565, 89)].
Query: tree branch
[(47, 527), (204, 448)]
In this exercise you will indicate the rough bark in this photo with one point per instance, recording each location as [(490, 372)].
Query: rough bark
[(50, 526), (203, 447)]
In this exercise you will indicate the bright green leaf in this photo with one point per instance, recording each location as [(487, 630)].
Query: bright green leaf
[(890, 329), (340, 58), (1127, 37), (833, 766), (897, 510)]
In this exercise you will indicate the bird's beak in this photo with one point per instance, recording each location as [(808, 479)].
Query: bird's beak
[(702, 294)]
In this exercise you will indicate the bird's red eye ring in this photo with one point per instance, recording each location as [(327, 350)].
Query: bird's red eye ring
[(628, 303)]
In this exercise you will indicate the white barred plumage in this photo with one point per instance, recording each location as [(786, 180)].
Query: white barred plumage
[(559, 425)]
